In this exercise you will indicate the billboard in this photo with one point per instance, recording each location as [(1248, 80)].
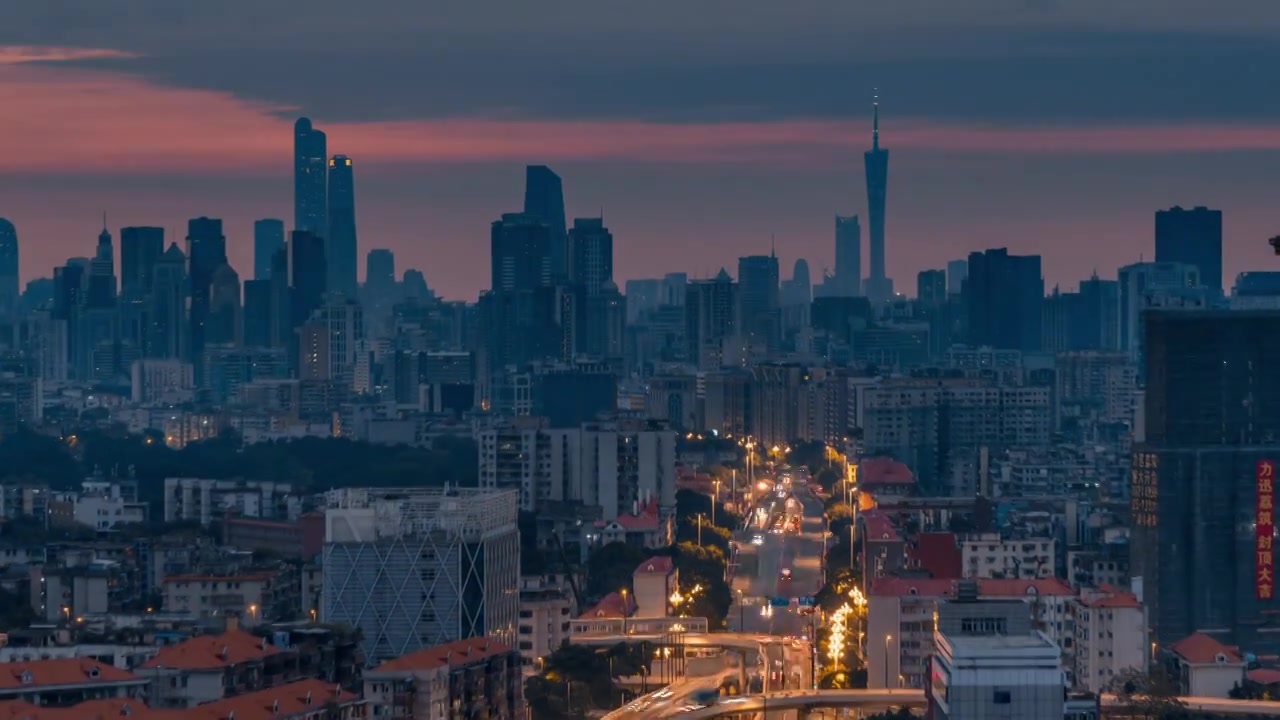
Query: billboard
[(1265, 530)]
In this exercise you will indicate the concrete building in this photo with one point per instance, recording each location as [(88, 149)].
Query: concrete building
[(997, 676), (67, 682), (417, 567), (248, 597), (205, 500), (162, 381), (546, 607), (988, 555), (477, 677), (1204, 667), (207, 668), (1110, 637)]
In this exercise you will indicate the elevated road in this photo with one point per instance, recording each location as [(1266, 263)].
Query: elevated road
[(806, 700)]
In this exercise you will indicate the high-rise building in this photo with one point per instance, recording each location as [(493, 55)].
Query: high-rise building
[(711, 315), (281, 300), (758, 300), (224, 307), (879, 287), (1139, 288), (674, 287), (310, 274), (258, 316), (340, 248), (1004, 295), (412, 568), (268, 237), (310, 183), (520, 253), (167, 324), (102, 273), (848, 277), (1193, 237), (544, 199), (140, 250), (799, 289), (380, 270), (8, 268), (591, 254), (957, 273), (931, 287), (207, 251), (1202, 481)]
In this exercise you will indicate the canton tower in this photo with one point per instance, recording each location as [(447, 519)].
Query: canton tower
[(879, 287)]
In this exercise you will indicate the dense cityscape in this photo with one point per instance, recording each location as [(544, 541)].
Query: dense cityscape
[(284, 493)]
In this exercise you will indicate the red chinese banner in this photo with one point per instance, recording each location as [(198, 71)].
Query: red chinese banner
[(1265, 524)]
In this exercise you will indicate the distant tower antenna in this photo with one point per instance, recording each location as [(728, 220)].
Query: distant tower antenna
[(773, 245), (875, 119)]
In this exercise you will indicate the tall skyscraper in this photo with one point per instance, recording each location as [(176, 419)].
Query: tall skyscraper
[(1193, 237), (544, 199), (340, 248), (711, 319), (879, 287), (224, 307), (310, 274), (281, 300), (258, 318), (1004, 298), (759, 301), (1202, 492), (140, 250), (102, 272), (268, 237), (380, 269), (848, 277), (591, 254), (310, 184), (520, 252), (798, 291), (957, 273), (207, 250), (9, 293), (167, 326)]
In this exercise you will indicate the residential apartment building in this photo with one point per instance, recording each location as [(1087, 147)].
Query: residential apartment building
[(477, 677), (207, 668), (252, 597), (1110, 637), (988, 555), (67, 681), (204, 500), (546, 607)]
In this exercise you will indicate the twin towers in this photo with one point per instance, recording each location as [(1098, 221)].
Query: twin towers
[(324, 204)]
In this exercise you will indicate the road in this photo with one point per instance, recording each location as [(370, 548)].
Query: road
[(762, 578)]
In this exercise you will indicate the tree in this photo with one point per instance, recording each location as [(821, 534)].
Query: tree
[(609, 568), (899, 714), (810, 454), (1152, 695), (1250, 690)]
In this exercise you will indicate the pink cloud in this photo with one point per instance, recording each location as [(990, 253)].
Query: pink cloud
[(19, 54), (76, 120)]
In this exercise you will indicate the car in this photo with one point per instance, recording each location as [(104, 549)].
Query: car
[(786, 573), (757, 539)]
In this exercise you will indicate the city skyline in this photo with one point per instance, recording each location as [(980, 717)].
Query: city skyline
[(688, 178)]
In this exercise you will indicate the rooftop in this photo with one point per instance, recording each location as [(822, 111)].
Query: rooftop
[(884, 471), (25, 676), (1201, 649), (987, 587), (301, 698), (462, 652), (656, 565), (208, 652)]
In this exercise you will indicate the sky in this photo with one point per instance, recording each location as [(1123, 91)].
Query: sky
[(702, 131)]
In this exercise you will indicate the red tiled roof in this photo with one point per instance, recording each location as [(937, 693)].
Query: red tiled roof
[(296, 698), (937, 554), (611, 606), (884, 471), (1200, 649), (988, 588), (1264, 676), (1113, 600), (207, 652), (462, 652), (658, 564), (62, 671), (106, 709), (877, 526)]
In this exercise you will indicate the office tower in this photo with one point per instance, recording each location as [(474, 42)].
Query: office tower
[(1145, 286), (102, 273), (167, 325), (414, 284), (1193, 237), (544, 199), (848, 277), (8, 268), (674, 287), (643, 296), (798, 290), (1202, 492), (931, 288), (417, 567), (520, 253), (380, 271), (1100, 306), (758, 301), (711, 319), (340, 244), (591, 254), (258, 317), (1003, 298), (281, 300), (207, 251), (957, 273), (310, 184), (879, 287), (268, 237), (224, 307), (331, 339), (140, 250), (310, 274)]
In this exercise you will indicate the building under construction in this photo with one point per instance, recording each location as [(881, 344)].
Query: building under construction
[(413, 568)]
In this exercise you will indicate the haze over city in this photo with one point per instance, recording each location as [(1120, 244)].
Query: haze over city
[(698, 131)]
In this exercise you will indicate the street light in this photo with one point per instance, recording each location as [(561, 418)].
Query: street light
[(887, 638), (715, 496)]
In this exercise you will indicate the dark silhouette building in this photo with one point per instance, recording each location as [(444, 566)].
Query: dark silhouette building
[(1212, 415), (1193, 237), (310, 274), (9, 293), (759, 301), (268, 238), (544, 199), (167, 322), (140, 250), (310, 183), (206, 251), (340, 249), (257, 314), (848, 277), (1003, 296)]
